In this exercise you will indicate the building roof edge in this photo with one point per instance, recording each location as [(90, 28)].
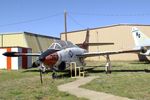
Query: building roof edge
[(122, 24)]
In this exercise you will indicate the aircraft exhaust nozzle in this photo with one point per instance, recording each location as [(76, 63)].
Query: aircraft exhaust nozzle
[(143, 50)]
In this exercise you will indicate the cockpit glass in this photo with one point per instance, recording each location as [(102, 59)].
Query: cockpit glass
[(52, 46), (59, 45)]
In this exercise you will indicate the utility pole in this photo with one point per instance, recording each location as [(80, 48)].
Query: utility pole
[(65, 22), (2, 41)]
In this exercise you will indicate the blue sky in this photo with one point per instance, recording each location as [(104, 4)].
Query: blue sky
[(46, 16)]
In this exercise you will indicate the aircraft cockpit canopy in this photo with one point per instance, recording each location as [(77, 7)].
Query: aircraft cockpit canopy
[(60, 44)]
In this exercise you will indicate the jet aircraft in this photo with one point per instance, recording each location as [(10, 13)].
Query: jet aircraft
[(62, 52)]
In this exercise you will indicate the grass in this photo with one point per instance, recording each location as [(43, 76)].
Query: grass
[(25, 85), (128, 79)]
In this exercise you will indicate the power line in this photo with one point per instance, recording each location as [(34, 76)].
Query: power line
[(111, 14), (75, 21), (31, 20)]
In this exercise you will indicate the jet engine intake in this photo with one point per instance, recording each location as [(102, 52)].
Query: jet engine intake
[(62, 66), (145, 51)]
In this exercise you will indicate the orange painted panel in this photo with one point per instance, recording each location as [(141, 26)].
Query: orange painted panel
[(9, 60)]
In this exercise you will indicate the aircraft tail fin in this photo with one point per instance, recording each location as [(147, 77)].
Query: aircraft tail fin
[(140, 38), (86, 44)]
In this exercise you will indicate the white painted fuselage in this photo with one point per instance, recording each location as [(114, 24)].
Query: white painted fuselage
[(70, 55)]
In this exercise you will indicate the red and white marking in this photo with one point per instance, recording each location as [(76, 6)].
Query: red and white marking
[(15, 63)]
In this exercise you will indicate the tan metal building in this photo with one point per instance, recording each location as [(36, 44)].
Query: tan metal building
[(37, 42), (119, 34)]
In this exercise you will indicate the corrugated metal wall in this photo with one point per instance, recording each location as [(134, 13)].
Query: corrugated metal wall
[(37, 42), (12, 40)]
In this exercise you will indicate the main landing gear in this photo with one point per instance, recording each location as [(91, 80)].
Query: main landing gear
[(108, 65)]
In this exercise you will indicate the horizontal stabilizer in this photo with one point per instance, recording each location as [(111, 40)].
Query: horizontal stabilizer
[(97, 44)]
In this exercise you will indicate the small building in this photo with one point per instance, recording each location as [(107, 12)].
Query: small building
[(119, 34), (15, 63), (36, 42)]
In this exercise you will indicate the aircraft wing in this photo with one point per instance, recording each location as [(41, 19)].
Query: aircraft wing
[(16, 54), (92, 54)]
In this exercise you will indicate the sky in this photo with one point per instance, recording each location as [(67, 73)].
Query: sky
[(46, 17)]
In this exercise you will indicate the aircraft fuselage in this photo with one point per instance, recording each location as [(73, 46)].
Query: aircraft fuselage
[(58, 59)]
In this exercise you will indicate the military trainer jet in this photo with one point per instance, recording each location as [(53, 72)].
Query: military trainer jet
[(62, 52)]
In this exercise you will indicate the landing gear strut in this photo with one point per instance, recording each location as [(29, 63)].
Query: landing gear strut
[(54, 75), (41, 78), (108, 65), (42, 70)]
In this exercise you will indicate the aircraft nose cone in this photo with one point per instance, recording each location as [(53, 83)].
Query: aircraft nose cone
[(51, 59)]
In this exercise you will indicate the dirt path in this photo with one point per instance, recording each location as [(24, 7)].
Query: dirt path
[(73, 88)]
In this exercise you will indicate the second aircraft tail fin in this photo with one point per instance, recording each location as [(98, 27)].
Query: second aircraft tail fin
[(140, 38)]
